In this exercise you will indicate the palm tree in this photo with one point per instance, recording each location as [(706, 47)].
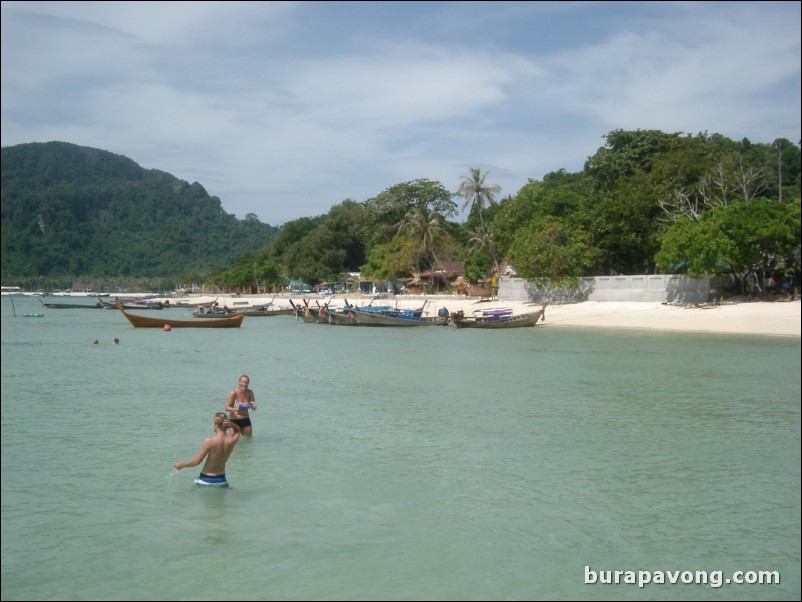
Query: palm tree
[(477, 195), (477, 240), (425, 228)]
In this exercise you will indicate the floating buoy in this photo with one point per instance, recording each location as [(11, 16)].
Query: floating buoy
[(167, 328)]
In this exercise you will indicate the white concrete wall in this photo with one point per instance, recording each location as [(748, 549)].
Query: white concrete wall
[(660, 288)]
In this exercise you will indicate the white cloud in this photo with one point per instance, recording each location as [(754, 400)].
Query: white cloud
[(285, 109)]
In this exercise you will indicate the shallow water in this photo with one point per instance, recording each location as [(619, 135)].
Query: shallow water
[(399, 464)]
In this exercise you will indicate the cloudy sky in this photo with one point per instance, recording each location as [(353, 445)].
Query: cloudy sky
[(284, 109)]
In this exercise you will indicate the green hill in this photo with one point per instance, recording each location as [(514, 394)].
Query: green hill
[(72, 211)]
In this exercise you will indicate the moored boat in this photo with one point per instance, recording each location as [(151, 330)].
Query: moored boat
[(339, 317), (88, 305), (309, 314), (395, 318), (187, 303), (142, 304), (498, 319), (138, 304), (256, 311), (213, 313), (233, 321)]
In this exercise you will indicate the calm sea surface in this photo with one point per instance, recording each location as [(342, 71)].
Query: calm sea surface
[(394, 464)]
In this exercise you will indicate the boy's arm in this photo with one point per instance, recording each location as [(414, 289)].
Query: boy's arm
[(227, 424), (197, 459)]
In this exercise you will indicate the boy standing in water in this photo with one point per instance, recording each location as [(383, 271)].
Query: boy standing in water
[(216, 450)]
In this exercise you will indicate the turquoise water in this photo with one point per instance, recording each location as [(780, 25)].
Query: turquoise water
[(394, 464)]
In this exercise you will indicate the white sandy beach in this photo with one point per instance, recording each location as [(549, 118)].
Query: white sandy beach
[(771, 319), (754, 318)]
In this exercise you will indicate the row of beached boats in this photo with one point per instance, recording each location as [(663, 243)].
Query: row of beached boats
[(370, 315), (347, 315)]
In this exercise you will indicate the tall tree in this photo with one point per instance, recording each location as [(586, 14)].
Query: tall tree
[(425, 229), (478, 194), (745, 236), (552, 247), (390, 206)]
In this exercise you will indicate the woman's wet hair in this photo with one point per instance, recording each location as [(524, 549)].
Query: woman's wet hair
[(219, 418)]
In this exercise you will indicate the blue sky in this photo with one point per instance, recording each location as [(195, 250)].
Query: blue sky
[(284, 109)]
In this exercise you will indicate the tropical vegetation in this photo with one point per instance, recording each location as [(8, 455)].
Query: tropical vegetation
[(645, 202), (75, 213)]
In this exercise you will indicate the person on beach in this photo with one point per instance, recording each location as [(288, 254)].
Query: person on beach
[(239, 402), (216, 450)]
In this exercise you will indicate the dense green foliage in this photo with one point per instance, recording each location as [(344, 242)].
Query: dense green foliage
[(615, 216), (71, 211), (646, 201), (744, 236)]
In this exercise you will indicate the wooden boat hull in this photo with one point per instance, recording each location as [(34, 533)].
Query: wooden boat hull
[(309, 314), (339, 318), (73, 305), (185, 303), (264, 310), (137, 321), (258, 313), (367, 318), (519, 321), (299, 311), (136, 306)]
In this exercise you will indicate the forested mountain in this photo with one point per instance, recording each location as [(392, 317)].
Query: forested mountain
[(71, 211)]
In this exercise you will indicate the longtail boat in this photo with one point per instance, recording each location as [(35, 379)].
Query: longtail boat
[(138, 304), (498, 319), (395, 317), (265, 309), (137, 321), (311, 315), (299, 312), (256, 312), (213, 314), (341, 317), (96, 305)]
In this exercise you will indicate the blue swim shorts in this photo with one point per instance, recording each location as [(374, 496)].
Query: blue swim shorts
[(212, 481)]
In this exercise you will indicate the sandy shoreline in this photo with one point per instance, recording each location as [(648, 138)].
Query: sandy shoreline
[(779, 319)]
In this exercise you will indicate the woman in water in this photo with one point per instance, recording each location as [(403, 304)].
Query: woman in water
[(239, 402)]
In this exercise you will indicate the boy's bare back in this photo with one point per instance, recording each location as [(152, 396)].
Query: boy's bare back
[(218, 450)]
